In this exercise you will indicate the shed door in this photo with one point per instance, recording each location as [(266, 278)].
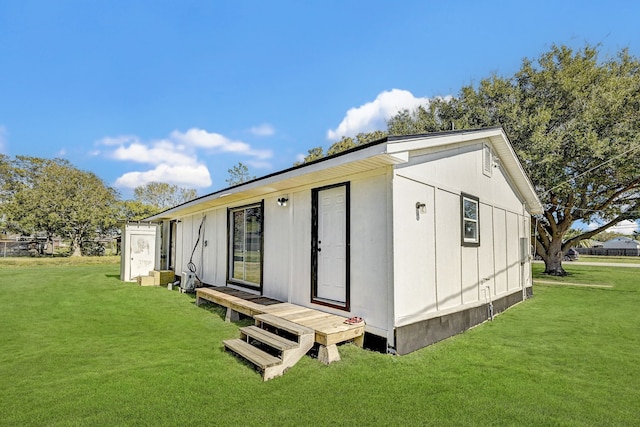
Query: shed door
[(330, 241), (142, 252)]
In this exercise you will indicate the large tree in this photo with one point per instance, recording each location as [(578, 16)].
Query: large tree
[(313, 154), (53, 197), (5, 167), (134, 210), (161, 195), (239, 174), (344, 144), (347, 142), (574, 121)]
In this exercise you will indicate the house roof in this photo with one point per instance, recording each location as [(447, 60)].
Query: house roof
[(388, 151), (621, 242)]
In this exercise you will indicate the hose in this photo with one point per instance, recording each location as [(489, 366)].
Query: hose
[(191, 266)]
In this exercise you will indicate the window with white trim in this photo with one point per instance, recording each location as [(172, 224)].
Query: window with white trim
[(470, 215)]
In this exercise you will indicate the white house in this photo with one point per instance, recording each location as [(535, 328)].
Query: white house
[(419, 235)]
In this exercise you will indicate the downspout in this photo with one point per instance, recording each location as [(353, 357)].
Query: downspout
[(526, 251)]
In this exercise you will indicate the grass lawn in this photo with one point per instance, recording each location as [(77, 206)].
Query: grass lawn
[(79, 347), (616, 259)]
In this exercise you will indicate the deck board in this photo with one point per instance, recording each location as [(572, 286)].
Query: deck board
[(254, 355), (329, 328)]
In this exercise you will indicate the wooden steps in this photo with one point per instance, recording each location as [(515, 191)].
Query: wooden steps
[(329, 329), (273, 341), (262, 360), (282, 324), (273, 345)]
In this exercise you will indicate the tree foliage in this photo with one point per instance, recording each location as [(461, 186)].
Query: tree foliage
[(345, 143), (159, 195), (423, 119), (239, 174), (53, 197), (573, 120), (134, 210), (313, 154)]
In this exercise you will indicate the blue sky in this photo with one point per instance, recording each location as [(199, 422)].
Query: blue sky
[(180, 91)]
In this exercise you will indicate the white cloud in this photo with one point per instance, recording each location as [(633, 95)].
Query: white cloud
[(374, 115), (181, 175), (203, 139), (158, 152), (118, 140), (259, 164), (264, 129), (624, 227), (592, 226), (176, 159)]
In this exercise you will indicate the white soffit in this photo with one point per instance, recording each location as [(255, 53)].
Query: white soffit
[(359, 161), (386, 153)]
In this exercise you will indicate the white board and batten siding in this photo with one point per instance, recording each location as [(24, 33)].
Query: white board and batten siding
[(287, 241), (434, 274), (407, 265)]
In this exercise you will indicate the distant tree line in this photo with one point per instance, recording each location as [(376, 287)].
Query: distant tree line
[(52, 197)]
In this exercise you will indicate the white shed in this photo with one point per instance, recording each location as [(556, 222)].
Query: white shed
[(417, 234), (140, 254)]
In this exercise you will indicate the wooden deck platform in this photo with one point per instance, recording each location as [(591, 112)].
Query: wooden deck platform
[(330, 329)]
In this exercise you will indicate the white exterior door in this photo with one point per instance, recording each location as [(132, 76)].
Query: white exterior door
[(143, 252), (331, 246)]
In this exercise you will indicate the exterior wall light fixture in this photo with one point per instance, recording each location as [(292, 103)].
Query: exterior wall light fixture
[(421, 208), (282, 201)]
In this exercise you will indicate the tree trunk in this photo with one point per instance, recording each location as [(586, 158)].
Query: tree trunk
[(553, 260), (553, 266), (49, 244), (77, 250)]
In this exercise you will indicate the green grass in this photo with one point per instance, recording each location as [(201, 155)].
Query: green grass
[(79, 347), (66, 261), (607, 259)]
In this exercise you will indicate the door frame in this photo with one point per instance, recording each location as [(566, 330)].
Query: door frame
[(230, 255), (137, 229), (314, 247), (171, 244)]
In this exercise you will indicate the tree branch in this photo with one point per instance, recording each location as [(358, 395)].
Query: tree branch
[(610, 200), (571, 242)]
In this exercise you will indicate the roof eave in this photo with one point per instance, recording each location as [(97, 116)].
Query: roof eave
[(369, 158)]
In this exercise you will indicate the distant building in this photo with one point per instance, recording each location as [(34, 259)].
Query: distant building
[(625, 243)]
